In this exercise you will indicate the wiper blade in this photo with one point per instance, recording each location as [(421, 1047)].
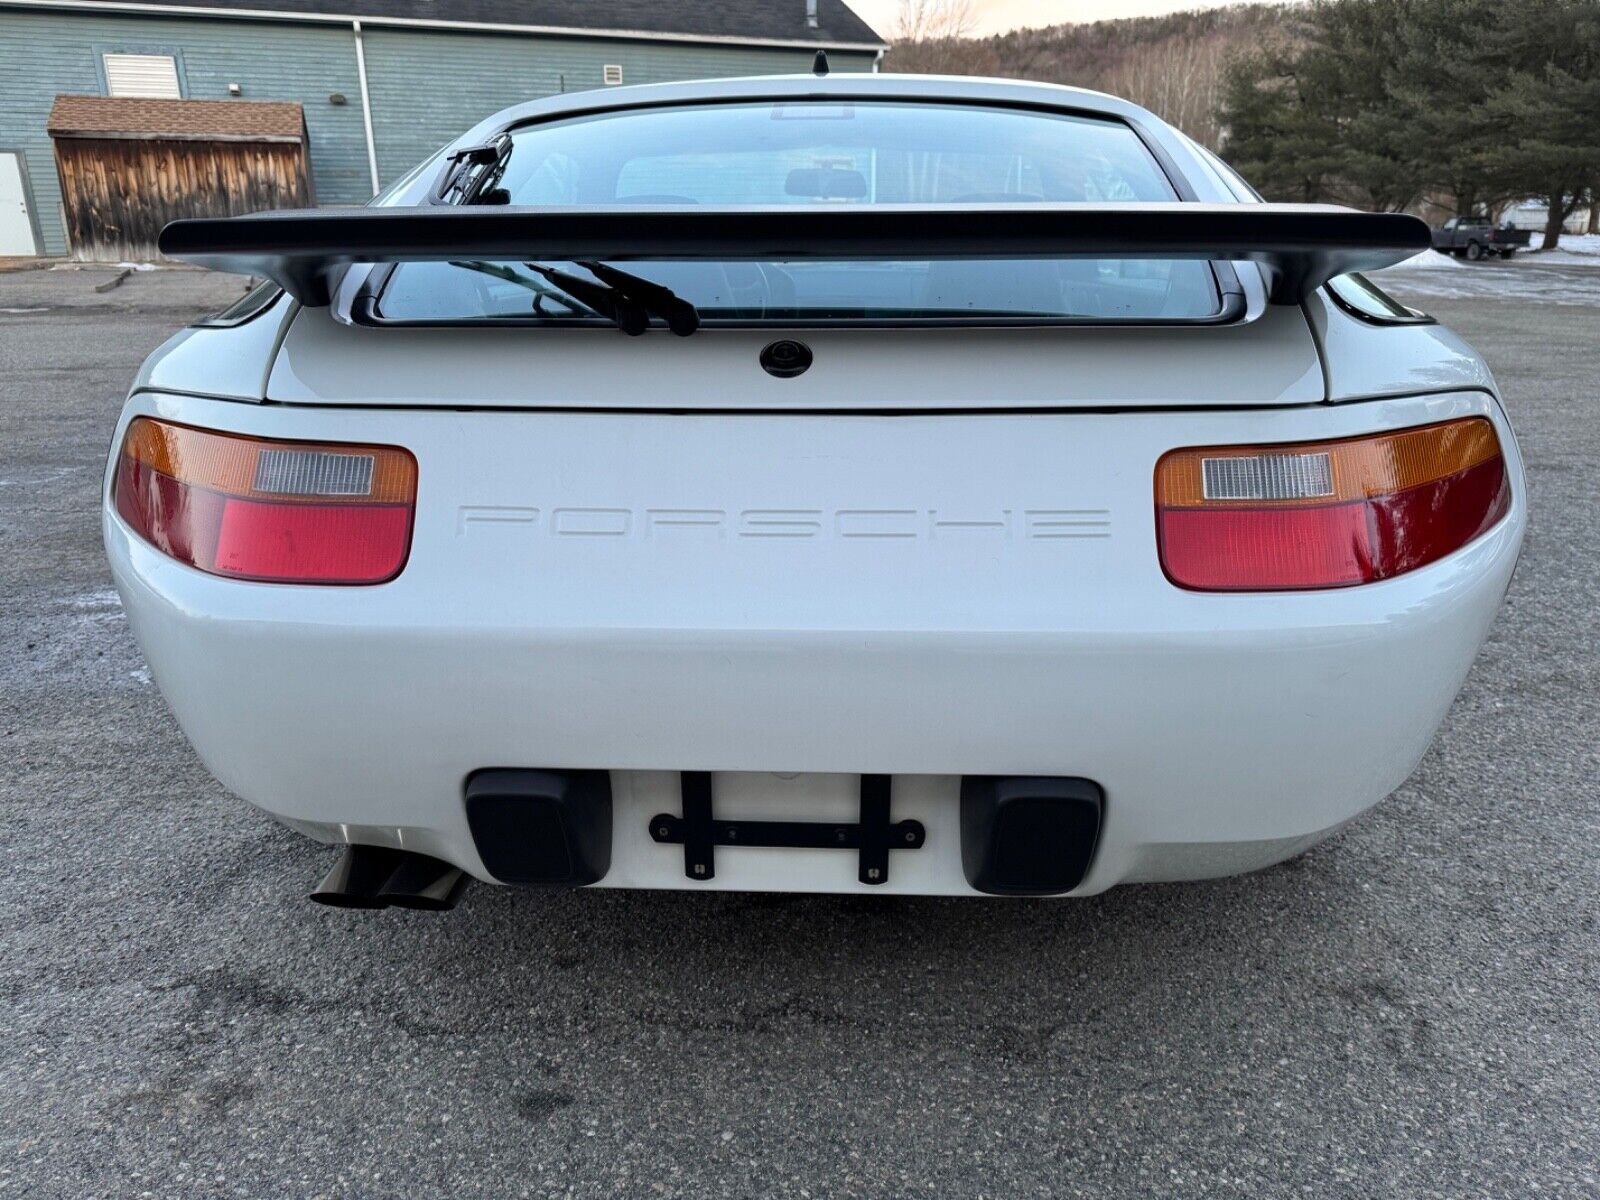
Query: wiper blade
[(541, 291), (624, 312), (655, 298), (626, 300)]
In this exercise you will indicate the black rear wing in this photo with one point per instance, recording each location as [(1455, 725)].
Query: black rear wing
[(1301, 246)]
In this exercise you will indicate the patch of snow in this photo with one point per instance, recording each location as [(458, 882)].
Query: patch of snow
[(1426, 261), (1520, 278), (1574, 249)]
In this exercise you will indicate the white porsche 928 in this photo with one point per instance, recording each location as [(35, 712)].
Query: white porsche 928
[(861, 483)]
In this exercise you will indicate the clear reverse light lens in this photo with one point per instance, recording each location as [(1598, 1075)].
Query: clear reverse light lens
[(1268, 477), (313, 473)]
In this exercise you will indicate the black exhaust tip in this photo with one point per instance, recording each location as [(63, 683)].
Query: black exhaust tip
[(355, 880), (423, 883)]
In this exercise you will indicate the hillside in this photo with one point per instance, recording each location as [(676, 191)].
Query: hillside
[(1171, 64)]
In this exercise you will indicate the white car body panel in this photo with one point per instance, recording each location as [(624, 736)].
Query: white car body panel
[(1367, 361), (231, 362), (932, 555), (956, 594)]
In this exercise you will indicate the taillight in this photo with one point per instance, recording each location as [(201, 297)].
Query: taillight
[(1327, 514), (279, 512)]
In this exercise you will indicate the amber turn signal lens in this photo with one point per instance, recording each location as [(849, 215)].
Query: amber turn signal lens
[(1327, 514), (270, 511)]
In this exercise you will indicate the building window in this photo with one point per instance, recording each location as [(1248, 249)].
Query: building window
[(154, 75), (613, 73)]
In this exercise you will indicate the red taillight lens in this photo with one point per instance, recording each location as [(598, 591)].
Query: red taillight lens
[(1326, 514), (278, 512)]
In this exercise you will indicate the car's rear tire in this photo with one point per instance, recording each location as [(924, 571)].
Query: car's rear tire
[(1474, 251), (1507, 253)]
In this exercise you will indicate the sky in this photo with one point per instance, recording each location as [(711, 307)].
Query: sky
[(997, 16)]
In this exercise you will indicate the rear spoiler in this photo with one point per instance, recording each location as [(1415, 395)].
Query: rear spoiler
[(1301, 246)]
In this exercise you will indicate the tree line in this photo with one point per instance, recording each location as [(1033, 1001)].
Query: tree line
[(1383, 104), (1173, 65)]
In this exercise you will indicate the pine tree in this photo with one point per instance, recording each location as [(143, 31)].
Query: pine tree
[(1273, 137), (1318, 119), (1377, 102), (1550, 106), (1450, 61)]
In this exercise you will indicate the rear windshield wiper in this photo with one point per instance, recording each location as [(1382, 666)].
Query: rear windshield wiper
[(627, 301), (622, 311), (541, 292), (656, 299)]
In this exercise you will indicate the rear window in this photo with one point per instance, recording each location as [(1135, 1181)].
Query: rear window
[(823, 152)]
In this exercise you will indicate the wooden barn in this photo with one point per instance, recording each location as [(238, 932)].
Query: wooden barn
[(129, 165)]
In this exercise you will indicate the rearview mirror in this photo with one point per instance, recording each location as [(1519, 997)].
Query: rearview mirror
[(826, 183)]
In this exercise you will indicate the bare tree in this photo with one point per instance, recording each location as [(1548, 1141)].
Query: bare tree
[(933, 20), (1178, 79), (931, 37)]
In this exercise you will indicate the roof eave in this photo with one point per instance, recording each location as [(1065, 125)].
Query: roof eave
[(332, 18), (101, 135)]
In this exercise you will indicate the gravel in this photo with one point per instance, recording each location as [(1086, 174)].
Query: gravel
[(1411, 1009)]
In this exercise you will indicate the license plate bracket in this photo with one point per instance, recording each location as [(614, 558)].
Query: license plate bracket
[(872, 837)]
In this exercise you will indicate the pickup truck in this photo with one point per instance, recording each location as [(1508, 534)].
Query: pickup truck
[(1476, 237)]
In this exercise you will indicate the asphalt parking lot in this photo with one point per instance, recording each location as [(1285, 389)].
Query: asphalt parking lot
[(1412, 1009)]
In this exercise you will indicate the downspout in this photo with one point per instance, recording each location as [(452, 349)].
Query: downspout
[(877, 62), (366, 108)]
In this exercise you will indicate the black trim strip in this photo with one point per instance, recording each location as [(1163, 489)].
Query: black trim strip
[(365, 311), (1366, 318)]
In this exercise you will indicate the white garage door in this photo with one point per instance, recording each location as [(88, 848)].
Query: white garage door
[(16, 226)]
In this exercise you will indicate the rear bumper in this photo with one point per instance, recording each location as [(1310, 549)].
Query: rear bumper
[(790, 602)]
